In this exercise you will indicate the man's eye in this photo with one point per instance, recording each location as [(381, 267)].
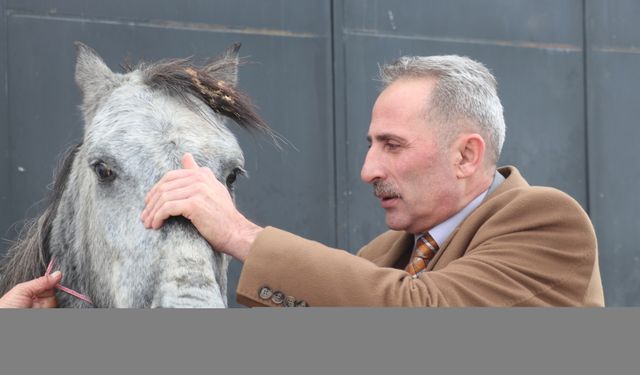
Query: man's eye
[(392, 146)]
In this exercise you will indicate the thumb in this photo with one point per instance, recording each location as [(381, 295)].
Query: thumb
[(188, 162), (41, 284)]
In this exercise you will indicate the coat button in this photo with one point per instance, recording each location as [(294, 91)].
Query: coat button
[(277, 298), (301, 304), (290, 301), (265, 292)]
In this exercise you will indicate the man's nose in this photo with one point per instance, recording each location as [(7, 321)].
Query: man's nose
[(371, 168)]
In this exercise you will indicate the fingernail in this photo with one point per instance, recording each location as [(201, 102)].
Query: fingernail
[(54, 274)]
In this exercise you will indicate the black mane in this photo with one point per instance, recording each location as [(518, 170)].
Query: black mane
[(28, 256), (180, 77)]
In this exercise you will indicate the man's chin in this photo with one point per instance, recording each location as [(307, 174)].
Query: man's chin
[(395, 224)]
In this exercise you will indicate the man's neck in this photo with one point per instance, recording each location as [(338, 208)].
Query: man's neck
[(441, 231), (478, 184)]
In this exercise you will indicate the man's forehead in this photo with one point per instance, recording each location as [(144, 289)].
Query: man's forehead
[(401, 102)]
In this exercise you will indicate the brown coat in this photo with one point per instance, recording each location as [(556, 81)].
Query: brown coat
[(523, 246)]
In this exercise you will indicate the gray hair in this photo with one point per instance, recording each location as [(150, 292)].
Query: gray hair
[(465, 90)]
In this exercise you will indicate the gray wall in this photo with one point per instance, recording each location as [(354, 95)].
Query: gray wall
[(565, 71), (613, 76)]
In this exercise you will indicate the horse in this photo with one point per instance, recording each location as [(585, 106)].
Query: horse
[(137, 125)]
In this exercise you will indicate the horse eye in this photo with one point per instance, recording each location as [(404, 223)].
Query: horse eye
[(104, 173), (231, 178)]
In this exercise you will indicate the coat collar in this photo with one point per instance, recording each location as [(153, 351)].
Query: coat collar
[(512, 179), (400, 250)]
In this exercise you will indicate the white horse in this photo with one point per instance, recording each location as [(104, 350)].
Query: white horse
[(137, 127)]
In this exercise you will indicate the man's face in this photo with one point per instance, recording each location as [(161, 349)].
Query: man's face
[(412, 175)]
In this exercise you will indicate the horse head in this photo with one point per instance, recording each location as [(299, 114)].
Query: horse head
[(138, 124)]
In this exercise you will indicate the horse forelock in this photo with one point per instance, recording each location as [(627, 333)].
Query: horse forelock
[(179, 77), (28, 256)]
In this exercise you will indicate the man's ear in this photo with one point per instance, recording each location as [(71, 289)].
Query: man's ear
[(470, 153)]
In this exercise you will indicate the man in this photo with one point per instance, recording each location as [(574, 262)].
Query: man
[(463, 233)]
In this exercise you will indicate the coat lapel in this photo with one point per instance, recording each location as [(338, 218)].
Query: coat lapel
[(443, 248), (399, 253)]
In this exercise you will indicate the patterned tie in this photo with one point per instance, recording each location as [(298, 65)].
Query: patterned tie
[(426, 248)]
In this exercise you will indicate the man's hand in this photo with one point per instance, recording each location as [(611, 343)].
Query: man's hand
[(195, 193), (36, 293)]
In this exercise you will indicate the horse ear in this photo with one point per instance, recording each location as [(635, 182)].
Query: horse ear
[(93, 77), (225, 67), (91, 71)]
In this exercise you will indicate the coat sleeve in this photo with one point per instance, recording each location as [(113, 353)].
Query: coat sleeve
[(546, 257), (309, 271)]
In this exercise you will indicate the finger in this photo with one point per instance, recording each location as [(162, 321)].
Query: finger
[(170, 176), (173, 208), (188, 162), (209, 173), (41, 284), (46, 299), (183, 192), (155, 195), (47, 293), (45, 302)]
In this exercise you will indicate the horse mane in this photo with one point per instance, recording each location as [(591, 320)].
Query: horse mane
[(27, 258), (181, 77)]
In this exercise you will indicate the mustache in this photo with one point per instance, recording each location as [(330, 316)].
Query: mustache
[(382, 189)]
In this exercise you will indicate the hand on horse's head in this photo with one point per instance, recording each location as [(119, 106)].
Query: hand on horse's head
[(195, 193)]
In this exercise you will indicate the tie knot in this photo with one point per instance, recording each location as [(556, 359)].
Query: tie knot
[(426, 240), (426, 247)]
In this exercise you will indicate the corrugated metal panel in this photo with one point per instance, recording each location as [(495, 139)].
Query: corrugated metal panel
[(5, 220), (613, 79)]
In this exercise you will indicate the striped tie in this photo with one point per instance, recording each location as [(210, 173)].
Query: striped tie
[(426, 248)]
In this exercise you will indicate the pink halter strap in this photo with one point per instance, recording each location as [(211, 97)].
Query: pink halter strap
[(64, 288)]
